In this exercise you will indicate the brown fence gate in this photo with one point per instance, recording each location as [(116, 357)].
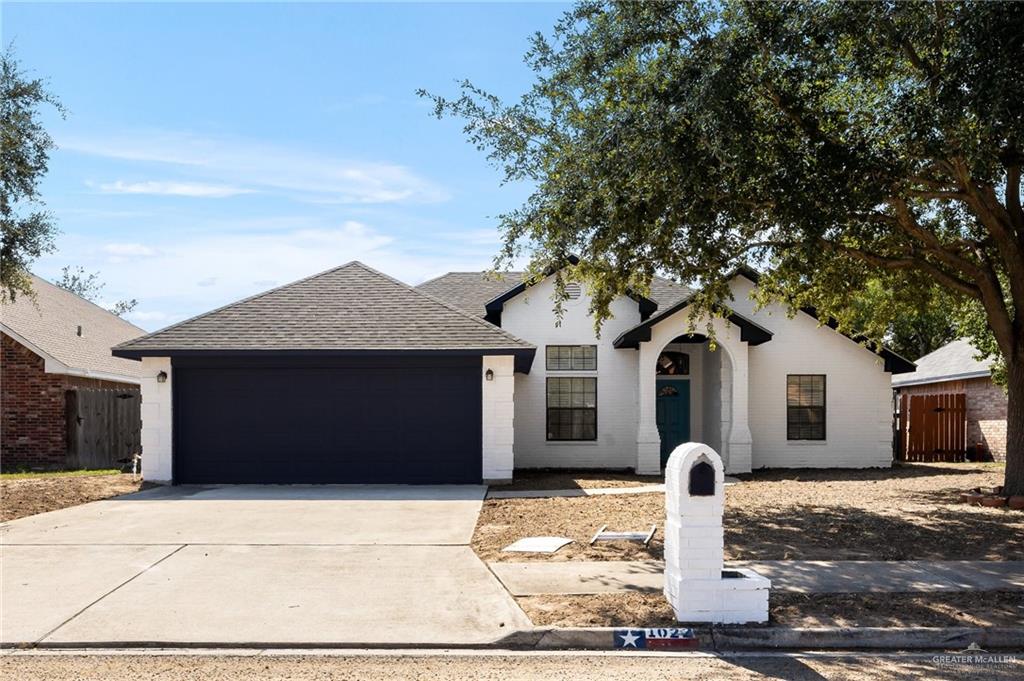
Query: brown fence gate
[(104, 427), (932, 427)]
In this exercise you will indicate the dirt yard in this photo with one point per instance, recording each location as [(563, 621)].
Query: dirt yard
[(23, 496), (905, 513), (578, 480), (987, 608)]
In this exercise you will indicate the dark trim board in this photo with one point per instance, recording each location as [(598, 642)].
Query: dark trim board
[(750, 331), (309, 421), (495, 306), (523, 356), (893, 362)]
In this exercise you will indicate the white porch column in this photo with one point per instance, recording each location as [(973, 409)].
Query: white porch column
[(156, 420), (648, 441), (737, 438), (498, 415)]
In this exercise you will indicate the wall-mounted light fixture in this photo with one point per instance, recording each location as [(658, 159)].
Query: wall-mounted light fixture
[(489, 374), (161, 377)]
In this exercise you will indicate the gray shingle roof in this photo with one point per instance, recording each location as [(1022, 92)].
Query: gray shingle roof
[(952, 361), (49, 320), (470, 291), (352, 307)]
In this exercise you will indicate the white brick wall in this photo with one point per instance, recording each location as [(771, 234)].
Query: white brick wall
[(498, 417), (858, 420), (156, 420), (695, 586), (530, 317)]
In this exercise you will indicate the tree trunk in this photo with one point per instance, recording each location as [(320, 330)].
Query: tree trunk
[(1014, 480)]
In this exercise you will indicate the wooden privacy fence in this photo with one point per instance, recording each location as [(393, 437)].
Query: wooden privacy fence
[(932, 427), (104, 427)]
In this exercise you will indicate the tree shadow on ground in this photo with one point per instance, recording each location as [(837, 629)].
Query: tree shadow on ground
[(898, 471), (844, 533)]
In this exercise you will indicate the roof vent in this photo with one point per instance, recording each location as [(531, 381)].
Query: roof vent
[(79, 332), (573, 290)]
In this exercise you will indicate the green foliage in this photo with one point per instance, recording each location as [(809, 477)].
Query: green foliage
[(830, 144), (27, 230), (911, 323), (88, 285)]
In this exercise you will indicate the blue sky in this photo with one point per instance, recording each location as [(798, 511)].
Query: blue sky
[(214, 151)]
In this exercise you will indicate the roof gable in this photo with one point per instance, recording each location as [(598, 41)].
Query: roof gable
[(349, 308), (47, 322), (485, 293), (893, 362)]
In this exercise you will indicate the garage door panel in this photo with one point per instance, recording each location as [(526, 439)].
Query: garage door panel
[(359, 424)]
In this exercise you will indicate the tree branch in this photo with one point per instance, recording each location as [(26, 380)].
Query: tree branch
[(907, 263)]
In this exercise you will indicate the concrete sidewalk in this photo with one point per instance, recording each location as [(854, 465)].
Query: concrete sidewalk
[(796, 576)]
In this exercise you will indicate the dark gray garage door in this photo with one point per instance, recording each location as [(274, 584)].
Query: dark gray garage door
[(376, 420)]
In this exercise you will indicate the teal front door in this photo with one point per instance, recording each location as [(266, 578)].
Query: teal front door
[(673, 415)]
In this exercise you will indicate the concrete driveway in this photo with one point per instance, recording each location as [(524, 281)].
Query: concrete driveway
[(255, 565)]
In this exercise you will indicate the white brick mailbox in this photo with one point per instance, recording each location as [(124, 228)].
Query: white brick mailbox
[(696, 585)]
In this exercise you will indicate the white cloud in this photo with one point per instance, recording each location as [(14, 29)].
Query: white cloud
[(256, 166), (134, 250), (194, 189), (170, 284)]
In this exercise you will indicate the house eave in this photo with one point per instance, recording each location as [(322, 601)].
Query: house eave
[(52, 365), (523, 356), (926, 380)]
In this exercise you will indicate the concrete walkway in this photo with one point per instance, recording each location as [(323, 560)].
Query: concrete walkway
[(798, 576), (245, 565)]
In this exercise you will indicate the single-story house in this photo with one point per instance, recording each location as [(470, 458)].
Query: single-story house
[(954, 369), (350, 376), (55, 343)]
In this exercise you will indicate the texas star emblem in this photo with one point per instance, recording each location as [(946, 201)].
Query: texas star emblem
[(659, 638)]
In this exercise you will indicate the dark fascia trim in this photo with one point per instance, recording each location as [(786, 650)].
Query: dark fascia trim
[(497, 304), (523, 356), (894, 363), (750, 332)]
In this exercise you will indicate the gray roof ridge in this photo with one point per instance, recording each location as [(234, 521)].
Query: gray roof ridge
[(86, 300), (477, 320), (247, 299)]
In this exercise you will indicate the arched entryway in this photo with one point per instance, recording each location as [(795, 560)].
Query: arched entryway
[(693, 391)]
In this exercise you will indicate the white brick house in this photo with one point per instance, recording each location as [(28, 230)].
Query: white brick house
[(777, 391), (350, 376)]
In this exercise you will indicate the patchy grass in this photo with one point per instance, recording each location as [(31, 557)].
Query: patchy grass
[(910, 512), (27, 495), (985, 608), (19, 475)]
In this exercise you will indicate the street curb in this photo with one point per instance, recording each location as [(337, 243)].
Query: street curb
[(724, 639), (711, 640)]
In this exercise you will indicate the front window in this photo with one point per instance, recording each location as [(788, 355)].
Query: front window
[(805, 407), (572, 408), (571, 358)]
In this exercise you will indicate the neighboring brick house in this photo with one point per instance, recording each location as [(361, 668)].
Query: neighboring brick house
[(953, 368), (54, 342)]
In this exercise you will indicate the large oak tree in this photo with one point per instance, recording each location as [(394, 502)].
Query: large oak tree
[(830, 144)]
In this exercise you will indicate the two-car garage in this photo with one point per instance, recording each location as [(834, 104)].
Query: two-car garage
[(345, 377), (365, 420)]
